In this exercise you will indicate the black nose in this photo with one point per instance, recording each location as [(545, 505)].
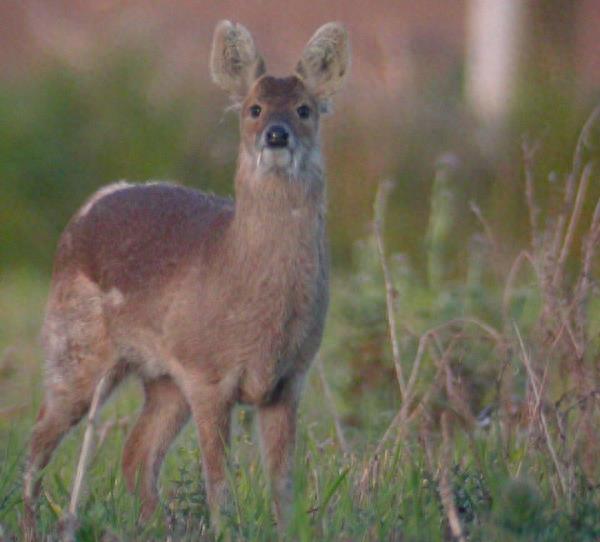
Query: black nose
[(277, 136)]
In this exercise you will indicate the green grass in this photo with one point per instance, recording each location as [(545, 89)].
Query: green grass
[(401, 502)]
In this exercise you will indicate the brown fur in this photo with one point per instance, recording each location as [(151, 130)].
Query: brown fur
[(208, 301)]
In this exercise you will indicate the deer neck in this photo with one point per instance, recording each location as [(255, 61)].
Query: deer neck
[(275, 209)]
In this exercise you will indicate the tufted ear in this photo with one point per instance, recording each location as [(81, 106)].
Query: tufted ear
[(326, 60), (234, 62)]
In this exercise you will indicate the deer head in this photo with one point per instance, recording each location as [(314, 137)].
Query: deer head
[(279, 116)]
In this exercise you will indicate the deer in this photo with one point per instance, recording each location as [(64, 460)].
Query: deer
[(209, 301)]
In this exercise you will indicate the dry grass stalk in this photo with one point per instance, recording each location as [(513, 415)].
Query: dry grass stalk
[(331, 403), (379, 210), (578, 158), (589, 406), (425, 437), (488, 330), (407, 390), (399, 421), (486, 227), (564, 321), (405, 416), (368, 480), (455, 398), (554, 259), (583, 143), (523, 256), (584, 282), (542, 416), (574, 220), (434, 387), (590, 247), (560, 334), (445, 486), (535, 412), (69, 522), (529, 152)]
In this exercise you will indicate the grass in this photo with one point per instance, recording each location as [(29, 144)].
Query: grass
[(490, 430), (403, 505)]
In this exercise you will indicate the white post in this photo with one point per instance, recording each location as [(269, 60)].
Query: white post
[(494, 41)]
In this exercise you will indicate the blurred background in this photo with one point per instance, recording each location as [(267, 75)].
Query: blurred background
[(441, 98), (97, 90), (446, 99)]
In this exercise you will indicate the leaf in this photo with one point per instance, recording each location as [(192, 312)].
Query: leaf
[(331, 492)]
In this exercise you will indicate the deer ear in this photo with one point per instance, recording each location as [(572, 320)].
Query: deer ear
[(326, 60), (234, 62)]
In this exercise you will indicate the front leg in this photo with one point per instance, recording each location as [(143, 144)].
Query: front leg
[(212, 414), (277, 424)]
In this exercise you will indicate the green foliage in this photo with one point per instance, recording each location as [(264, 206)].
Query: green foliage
[(65, 132), (63, 135)]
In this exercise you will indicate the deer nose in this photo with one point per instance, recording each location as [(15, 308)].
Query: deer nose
[(277, 136)]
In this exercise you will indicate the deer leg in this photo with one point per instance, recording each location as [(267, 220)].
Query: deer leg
[(277, 425), (62, 408), (54, 420), (212, 415), (164, 413), (79, 352)]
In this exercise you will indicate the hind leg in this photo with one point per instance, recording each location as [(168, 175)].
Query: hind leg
[(54, 419), (61, 410), (164, 413), (78, 353)]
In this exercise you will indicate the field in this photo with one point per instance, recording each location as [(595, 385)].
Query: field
[(456, 393), (439, 408)]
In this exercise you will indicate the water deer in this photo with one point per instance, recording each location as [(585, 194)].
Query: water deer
[(209, 301)]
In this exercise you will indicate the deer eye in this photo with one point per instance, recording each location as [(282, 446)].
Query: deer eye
[(255, 111), (303, 111)]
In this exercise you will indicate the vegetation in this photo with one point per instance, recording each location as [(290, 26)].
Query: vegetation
[(459, 390)]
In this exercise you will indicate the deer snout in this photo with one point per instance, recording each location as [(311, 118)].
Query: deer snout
[(277, 136)]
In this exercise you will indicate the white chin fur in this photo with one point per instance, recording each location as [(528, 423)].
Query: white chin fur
[(279, 158)]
